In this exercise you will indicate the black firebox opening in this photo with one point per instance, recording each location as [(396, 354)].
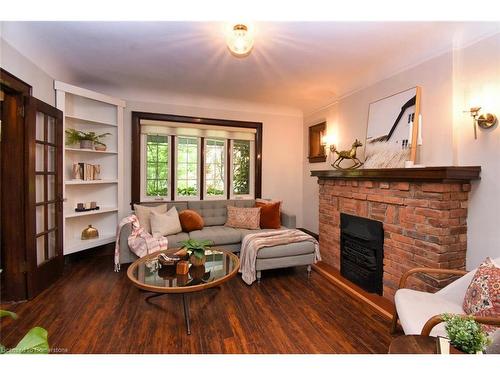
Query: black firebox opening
[(362, 252)]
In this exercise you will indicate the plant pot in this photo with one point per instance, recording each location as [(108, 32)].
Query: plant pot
[(87, 144), (99, 147), (197, 272), (195, 261)]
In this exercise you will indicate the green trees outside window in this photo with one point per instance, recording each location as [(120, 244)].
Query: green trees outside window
[(215, 167), (187, 166), (157, 158), (241, 167)]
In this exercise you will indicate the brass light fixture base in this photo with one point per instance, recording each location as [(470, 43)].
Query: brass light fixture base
[(487, 120)]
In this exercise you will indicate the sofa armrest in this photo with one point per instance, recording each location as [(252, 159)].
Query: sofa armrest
[(442, 271), (288, 220), (126, 256)]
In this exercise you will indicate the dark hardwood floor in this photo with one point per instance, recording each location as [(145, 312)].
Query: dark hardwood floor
[(95, 310)]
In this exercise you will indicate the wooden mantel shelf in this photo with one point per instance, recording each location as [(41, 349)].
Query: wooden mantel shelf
[(427, 174)]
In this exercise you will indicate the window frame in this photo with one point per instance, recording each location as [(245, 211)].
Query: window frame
[(251, 194), (205, 194), (144, 168), (198, 182), (137, 158)]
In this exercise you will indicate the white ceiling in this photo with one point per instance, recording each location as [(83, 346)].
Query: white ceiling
[(302, 65)]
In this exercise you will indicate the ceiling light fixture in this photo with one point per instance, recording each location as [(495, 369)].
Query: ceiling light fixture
[(239, 39)]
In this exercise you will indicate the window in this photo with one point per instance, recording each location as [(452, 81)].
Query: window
[(186, 158), (187, 167), (215, 168), (157, 161), (241, 163)]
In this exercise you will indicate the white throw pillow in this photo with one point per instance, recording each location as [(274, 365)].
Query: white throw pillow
[(165, 224), (143, 214)]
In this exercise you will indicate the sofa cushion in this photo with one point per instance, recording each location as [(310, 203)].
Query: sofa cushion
[(220, 235), (191, 220), (483, 294), (143, 214), (242, 217), (165, 224), (175, 239), (415, 308), (288, 250), (270, 217), (213, 212)]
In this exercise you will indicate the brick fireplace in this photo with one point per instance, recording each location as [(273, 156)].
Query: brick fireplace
[(423, 211)]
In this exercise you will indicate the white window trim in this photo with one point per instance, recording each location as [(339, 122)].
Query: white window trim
[(252, 175), (144, 168), (193, 197), (205, 195)]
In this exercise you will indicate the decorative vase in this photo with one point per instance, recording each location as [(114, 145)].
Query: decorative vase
[(100, 147), (84, 143), (195, 261), (89, 233)]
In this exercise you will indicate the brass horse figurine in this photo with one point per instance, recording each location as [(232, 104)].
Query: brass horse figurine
[(348, 154)]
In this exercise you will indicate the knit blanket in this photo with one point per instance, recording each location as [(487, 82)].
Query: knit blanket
[(252, 243), (140, 242)]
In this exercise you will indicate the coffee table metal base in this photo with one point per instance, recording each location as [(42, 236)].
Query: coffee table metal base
[(185, 304)]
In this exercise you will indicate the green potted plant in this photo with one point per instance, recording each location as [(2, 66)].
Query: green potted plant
[(196, 250), (86, 140), (34, 342), (465, 333)]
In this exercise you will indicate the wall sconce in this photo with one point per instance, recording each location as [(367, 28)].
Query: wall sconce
[(486, 120), (328, 140)]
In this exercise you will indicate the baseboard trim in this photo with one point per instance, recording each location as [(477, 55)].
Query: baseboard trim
[(379, 304)]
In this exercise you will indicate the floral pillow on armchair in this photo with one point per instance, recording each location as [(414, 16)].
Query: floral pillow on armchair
[(483, 294)]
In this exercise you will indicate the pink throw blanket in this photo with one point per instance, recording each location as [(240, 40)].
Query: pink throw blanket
[(252, 243), (140, 242)]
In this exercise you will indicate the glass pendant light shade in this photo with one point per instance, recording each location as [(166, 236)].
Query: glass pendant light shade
[(240, 40)]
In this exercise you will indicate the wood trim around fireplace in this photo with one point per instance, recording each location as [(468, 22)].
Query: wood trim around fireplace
[(427, 174)]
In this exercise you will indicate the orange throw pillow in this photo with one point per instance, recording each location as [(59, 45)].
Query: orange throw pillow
[(190, 220), (270, 217)]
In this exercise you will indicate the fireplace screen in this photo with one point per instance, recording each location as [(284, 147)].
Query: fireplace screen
[(362, 252)]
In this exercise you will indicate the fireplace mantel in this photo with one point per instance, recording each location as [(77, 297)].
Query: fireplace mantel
[(427, 174)]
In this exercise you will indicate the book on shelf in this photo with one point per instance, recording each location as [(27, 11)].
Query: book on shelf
[(86, 172)]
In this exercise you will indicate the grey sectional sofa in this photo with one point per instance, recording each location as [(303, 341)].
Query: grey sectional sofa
[(214, 214)]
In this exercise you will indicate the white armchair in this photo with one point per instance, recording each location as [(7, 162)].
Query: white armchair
[(419, 312)]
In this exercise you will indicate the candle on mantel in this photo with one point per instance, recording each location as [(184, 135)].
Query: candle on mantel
[(411, 130)]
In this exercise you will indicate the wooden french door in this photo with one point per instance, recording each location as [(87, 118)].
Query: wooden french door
[(44, 210)]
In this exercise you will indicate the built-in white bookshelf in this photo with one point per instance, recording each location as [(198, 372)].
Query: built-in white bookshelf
[(87, 111)]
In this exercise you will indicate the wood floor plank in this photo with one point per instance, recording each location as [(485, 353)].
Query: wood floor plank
[(95, 310)]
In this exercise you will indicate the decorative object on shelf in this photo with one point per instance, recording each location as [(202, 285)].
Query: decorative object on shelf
[(86, 172), (239, 38), (93, 205), (76, 172), (347, 155), (485, 120), (100, 147), (465, 333), (89, 233), (196, 250), (182, 267), (394, 130), (86, 140), (82, 207), (317, 152)]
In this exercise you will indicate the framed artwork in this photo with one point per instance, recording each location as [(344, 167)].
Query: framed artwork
[(393, 130), (316, 149)]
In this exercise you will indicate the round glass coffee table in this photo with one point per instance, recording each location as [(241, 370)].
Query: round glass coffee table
[(220, 266)]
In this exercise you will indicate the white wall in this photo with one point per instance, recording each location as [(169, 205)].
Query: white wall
[(15, 63), (447, 81), (477, 80)]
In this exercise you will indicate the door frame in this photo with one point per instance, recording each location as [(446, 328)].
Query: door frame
[(14, 274)]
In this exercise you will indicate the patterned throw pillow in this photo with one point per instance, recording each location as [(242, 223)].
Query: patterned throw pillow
[(244, 218), (483, 294)]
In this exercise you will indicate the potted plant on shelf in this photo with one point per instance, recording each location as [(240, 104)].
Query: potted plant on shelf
[(465, 333), (87, 140), (196, 250)]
